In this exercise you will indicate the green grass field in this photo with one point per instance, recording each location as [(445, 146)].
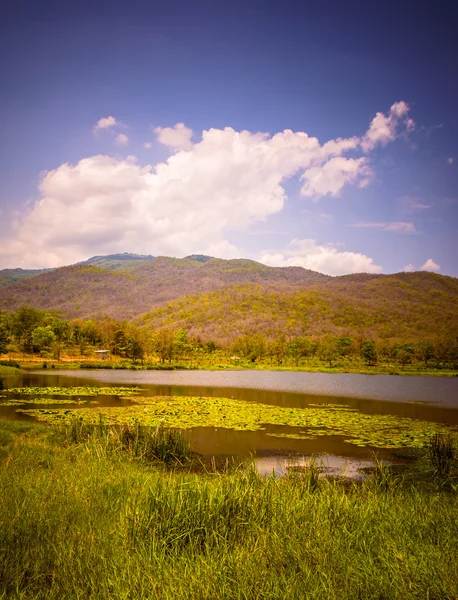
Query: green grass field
[(121, 513)]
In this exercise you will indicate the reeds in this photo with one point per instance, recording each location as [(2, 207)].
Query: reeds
[(139, 442)]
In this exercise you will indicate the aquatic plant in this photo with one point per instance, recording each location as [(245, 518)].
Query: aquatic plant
[(184, 412), (84, 390)]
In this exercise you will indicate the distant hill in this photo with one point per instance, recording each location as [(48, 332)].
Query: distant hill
[(116, 261), (136, 286), (221, 299), (199, 257), (401, 306), (8, 276)]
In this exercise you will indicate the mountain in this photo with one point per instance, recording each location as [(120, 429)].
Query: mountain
[(8, 276), (199, 257), (110, 261), (400, 306), (221, 299), (116, 261), (134, 287)]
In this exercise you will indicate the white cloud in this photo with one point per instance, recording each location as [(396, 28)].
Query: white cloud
[(122, 139), (409, 268), (331, 177), (396, 226), (177, 137), (325, 259), (450, 160), (191, 202), (430, 265), (105, 123), (147, 145), (384, 128)]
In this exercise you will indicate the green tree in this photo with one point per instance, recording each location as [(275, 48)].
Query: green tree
[(328, 350), (369, 353), (26, 319), (345, 346), (405, 354), (43, 337)]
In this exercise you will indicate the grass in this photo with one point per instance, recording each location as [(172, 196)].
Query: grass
[(83, 518)]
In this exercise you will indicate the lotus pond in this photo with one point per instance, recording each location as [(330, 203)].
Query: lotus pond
[(233, 421)]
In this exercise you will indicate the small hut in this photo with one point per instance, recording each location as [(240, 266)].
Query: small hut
[(103, 354)]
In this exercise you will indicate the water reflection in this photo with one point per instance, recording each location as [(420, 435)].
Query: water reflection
[(334, 466)]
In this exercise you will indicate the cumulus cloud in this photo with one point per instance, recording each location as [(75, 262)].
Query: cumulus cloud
[(385, 128), (325, 259), (331, 177), (450, 160), (189, 203), (396, 226), (105, 123), (430, 265), (122, 139), (177, 137), (147, 145), (409, 268)]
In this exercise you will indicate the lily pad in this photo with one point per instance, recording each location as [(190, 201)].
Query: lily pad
[(184, 412)]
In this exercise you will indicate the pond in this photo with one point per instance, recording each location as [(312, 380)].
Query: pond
[(347, 415)]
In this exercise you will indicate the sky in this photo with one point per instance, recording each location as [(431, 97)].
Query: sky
[(319, 134)]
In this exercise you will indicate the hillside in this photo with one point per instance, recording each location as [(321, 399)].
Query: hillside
[(136, 286), (220, 299), (402, 306), (8, 276)]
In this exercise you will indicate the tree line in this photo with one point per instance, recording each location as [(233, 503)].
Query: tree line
[(46, 334)]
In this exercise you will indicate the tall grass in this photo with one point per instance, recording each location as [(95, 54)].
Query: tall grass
[(77, 521), (139, 441)]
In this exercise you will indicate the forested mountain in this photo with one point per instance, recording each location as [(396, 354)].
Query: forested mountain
[(402, 306), (136, 286), (221, 299)]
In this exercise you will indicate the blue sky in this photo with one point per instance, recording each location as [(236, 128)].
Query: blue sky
[(384, 200)]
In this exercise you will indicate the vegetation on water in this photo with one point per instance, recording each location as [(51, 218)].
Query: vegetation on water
[(184, 412), (89, 513), (82, 390), (30, 334)]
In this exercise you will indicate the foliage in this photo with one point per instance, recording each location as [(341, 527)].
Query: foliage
[(369, 353)]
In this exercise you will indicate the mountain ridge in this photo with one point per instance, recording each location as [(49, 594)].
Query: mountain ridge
[(221, 298)]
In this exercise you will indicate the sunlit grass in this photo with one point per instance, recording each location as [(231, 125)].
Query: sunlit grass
[(80, 520)]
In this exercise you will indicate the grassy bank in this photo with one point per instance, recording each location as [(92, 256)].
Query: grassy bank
[(9, 367), (95, 514), (312, 366)]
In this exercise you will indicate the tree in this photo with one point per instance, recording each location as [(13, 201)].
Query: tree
[(369, 353), (43, 337), (134, 349), (328, 350), (3, 340), (119, 346), (26, 319), (405, 354), (345, 346), (164, 344)]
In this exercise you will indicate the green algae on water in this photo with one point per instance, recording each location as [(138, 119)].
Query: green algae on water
[(84, 390), (184, 412)]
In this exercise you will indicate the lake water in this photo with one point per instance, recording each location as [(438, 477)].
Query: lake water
[(432, 399)]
